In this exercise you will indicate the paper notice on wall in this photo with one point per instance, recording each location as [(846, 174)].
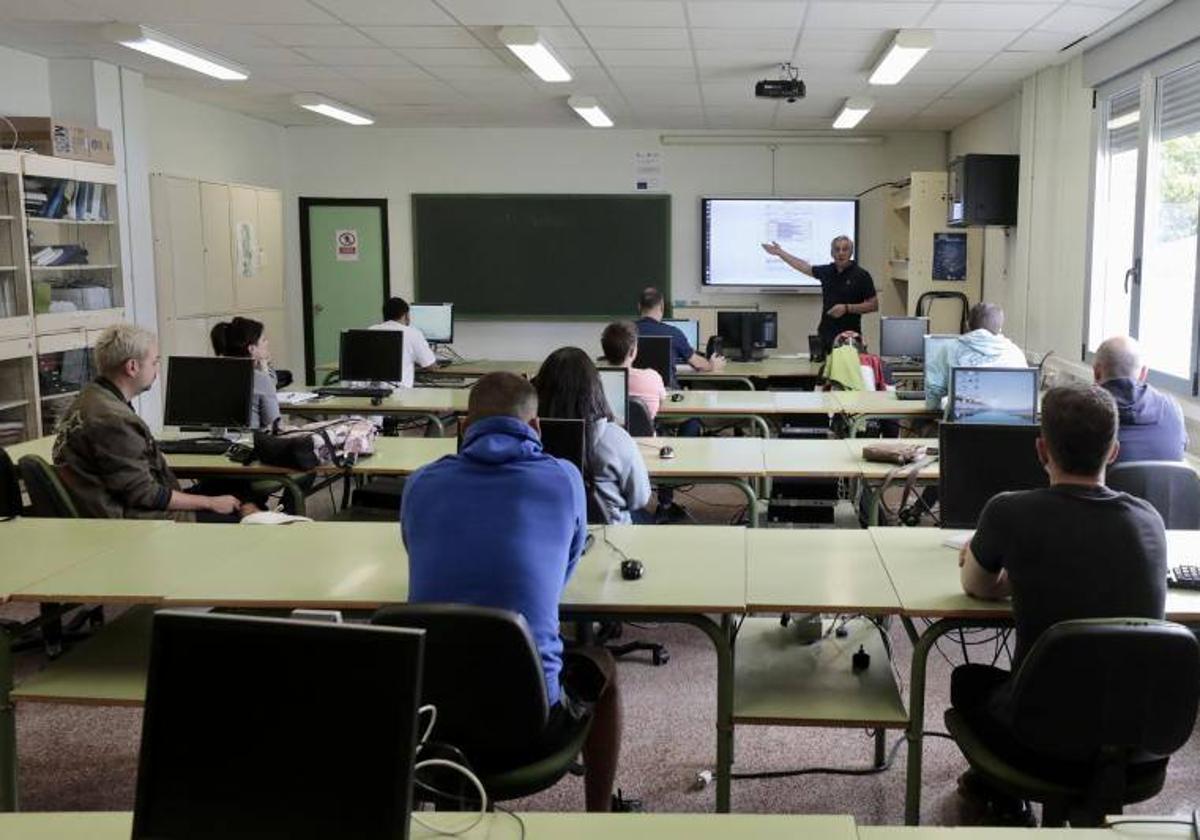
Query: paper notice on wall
[(648, 172), (346, 245), (245, 239)]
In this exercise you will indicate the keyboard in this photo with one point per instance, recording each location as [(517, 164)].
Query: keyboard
[(1184, 577), (443, 362), (910, 395), (194, 446), (352, 391)]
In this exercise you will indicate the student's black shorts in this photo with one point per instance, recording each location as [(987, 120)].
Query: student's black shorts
[(587, 672)]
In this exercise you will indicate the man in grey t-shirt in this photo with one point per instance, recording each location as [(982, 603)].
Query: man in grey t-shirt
[(1073, 550)]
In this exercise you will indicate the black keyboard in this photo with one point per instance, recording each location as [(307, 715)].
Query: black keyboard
[(1184, 577), (351, 391), (194, 446), (910, 395)]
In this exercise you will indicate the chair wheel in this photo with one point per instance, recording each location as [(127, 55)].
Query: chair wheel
[(661, 657)]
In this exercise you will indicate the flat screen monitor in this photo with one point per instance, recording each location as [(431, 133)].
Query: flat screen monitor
[(903, 338), (977, 461), (241, 739), (993, 395), (735, 228), (434, 320), (371, 356), (615, 381), (747, 334), (566, 439), (654, 352), (209, 392), (690, 330)]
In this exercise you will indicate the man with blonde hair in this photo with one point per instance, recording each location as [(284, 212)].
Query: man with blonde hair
[(105, 453)]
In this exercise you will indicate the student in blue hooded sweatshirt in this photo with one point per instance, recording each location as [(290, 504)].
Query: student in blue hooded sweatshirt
[(515, 550), (1152, 426)]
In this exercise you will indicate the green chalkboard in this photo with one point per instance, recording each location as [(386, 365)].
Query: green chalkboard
[(541, 256)]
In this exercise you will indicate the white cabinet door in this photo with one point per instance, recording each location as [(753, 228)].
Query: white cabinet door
[(190, 339), (218, 247), (275, 329), (182, 242), (270, 246)]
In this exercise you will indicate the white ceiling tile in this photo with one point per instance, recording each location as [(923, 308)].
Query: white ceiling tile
[(423, 36), (741, 39), (645, 58), (989, 76), (676, 96), (350, 56), (967, 40), (50, 10), (745, 14), (209, 11), (651, 75), (311, 35), (749, 60), (739, 120), (259, 56), (575, 59), (380, 72), (1036, 40), (408, 91), (300, 76), (932, 78), (729, 93), (214, 37), (636, 38), (851, 61), (938, 59), (1112, 4), (1027, 61), (372, 12), (1078, 20), (459, 73), (995, 15), (825, 14), (836, 39), (506, 12), (625, 12), (435, 57)]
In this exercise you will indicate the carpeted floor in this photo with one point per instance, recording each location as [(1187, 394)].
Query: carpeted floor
[(82, 758)]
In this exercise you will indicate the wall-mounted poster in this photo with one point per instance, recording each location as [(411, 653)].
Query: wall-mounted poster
[(949, 256), (245, 244)]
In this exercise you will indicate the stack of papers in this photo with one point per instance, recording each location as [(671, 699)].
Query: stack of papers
[(295, 397)]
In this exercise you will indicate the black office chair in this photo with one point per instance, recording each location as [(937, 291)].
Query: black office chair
[(639, 423), (483, 672), (47, 496), (1172, 487), (926, 300), (1101, 704), (11, 503)]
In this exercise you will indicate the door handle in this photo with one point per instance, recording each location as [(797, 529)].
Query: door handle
[(1134, 274), (318, 308)]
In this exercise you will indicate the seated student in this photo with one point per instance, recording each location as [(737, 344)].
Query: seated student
[(1073, 550), (652, 306), (417, 352), (1152, 427), (525, 538), (568, 387), (619, 342), (105, 454), (984, 346), (244, 338)]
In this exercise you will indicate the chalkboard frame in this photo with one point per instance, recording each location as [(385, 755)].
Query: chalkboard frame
[(464, 312)]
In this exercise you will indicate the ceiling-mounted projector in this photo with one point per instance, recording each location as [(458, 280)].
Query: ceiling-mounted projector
[(788, 86)]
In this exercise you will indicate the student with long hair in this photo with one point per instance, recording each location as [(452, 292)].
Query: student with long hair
[(245, 338), (568, 387)]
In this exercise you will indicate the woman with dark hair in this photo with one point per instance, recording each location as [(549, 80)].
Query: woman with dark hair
[(244, 338), (568, 387)]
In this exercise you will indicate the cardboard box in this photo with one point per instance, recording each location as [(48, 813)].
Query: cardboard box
[(49, 136)]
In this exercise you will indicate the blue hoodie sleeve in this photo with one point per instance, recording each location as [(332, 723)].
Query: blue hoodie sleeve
[(579, 511)]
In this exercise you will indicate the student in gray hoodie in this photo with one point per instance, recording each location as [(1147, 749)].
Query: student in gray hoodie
[(1152, 427), (568, 387), (984, 346)]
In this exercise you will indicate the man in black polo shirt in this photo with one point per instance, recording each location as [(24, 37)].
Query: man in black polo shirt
[(847, 290)]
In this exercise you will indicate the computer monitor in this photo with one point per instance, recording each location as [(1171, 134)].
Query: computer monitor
[(371, 356), (903, 338), (566, 439), (993, 395), (615, 381), (979, 460), (654, 352), (747, 334), (690, 330), (207, 392), (434, 320), (263, 727)]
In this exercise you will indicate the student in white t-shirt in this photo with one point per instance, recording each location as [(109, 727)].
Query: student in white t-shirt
[(417, 352)]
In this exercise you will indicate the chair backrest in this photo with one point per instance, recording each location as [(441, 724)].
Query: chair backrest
[(1093, 687), (47, 496), (483, 672), (639, 423), (10, 488), (1172, 487), (925, 304)]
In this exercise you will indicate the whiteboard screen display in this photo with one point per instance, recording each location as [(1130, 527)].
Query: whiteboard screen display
[(735, 228)]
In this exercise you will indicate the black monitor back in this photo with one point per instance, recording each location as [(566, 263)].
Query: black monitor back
[(979, 460), (371, 356), (566, 439), (654, 352), (207, 391), (902, 337), (259, 727)]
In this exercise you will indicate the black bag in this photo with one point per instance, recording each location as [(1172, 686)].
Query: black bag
[(288, 450)]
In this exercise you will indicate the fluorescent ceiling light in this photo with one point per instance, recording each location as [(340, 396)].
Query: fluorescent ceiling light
[(528, 45), (168, 49), (852, 112), (907, 48), (588, 108), (1124, 120), (327, 107)]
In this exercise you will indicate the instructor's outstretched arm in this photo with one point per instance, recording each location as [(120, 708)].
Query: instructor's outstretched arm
[(774, 249)]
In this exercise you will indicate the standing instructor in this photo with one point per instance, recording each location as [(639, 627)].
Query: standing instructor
[(847, 289)]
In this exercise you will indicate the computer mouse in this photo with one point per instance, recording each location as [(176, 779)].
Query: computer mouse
[(241, 453), (631, 569), (666, 452), (677, 396), (376, 400)]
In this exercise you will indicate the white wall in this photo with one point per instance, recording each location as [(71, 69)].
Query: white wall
[(25, 86), (393, 163)]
